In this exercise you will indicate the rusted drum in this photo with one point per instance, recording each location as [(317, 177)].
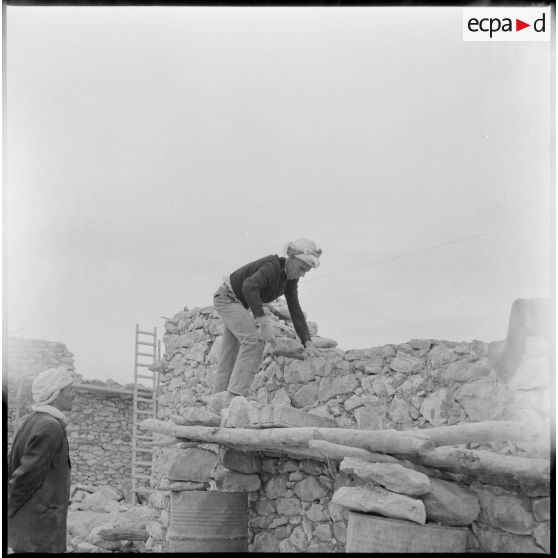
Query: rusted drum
[(373, 534), (208, 522)]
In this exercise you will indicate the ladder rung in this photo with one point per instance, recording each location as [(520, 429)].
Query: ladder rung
[(145, 343), (145, 354), (143, 437), (144, 376), (140, 476), (142, 489), (144, 399), (145, 365), (144, 411), (146, 332), (143, 463), (141, 449)]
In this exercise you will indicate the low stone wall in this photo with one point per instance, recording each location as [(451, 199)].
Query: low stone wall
[(422, 383), (99, 434)]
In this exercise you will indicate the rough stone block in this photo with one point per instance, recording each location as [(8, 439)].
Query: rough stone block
[(504, 510), (192, 464), (406, 363), (324, 343), (306, 395), (392, 476), (337, 385), (399, 412), (436, 407), (482, 399), (376, 499), (276, 487), (264, 507), (309, 489), (231, 481), (494, 540), (541, 509), (449, 503), (370, 418), (465, 371), (288, 506), (440, 355), (240, 461), (317, 513), (542, 536), (323, 532)]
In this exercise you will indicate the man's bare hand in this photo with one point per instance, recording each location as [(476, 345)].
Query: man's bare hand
[(310, 350)]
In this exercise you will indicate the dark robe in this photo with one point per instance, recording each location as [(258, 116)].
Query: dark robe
[(39, 486)]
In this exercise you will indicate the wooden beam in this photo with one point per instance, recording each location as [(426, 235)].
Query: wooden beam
[(296, 439), (486, 463), (338, 451), (476, 432)]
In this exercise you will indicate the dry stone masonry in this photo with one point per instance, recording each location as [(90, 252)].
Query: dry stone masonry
[(301, 503)]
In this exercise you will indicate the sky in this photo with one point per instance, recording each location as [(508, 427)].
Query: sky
[(152, 150)]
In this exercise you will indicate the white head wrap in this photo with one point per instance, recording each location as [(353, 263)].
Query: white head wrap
[(305, 250), (48, 384)]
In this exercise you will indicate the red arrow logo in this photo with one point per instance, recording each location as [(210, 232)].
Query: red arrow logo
[(519, 25)]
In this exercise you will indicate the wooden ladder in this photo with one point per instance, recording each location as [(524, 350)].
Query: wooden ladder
[(147, 350)]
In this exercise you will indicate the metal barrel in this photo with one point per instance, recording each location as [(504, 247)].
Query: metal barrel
[(202, 521), (380, 535)]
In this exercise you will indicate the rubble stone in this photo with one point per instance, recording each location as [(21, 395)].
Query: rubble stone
[(449, 503), (376, 499)]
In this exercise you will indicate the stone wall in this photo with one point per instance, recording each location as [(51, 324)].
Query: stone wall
[(99, 434), (422, 383), (99, 424)]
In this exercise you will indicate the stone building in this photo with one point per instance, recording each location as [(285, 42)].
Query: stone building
[(421, 384)]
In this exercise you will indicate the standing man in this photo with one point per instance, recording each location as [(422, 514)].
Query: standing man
[(244, 335), (39, 469)]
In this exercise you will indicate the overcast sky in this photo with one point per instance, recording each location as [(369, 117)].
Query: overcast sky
[(152, 150)]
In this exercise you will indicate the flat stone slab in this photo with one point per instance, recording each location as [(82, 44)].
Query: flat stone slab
[(242, 413), (392, 476), (370, 498)]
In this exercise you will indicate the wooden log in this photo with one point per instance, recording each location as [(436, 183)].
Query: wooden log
[(123, 534), (475, 432), (296, 439), (488, 464), (338, 451)]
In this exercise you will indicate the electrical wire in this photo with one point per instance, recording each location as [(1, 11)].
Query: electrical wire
[(419, 282), (421, 250)]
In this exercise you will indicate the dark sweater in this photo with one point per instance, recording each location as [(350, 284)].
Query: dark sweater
[(265, 280)]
